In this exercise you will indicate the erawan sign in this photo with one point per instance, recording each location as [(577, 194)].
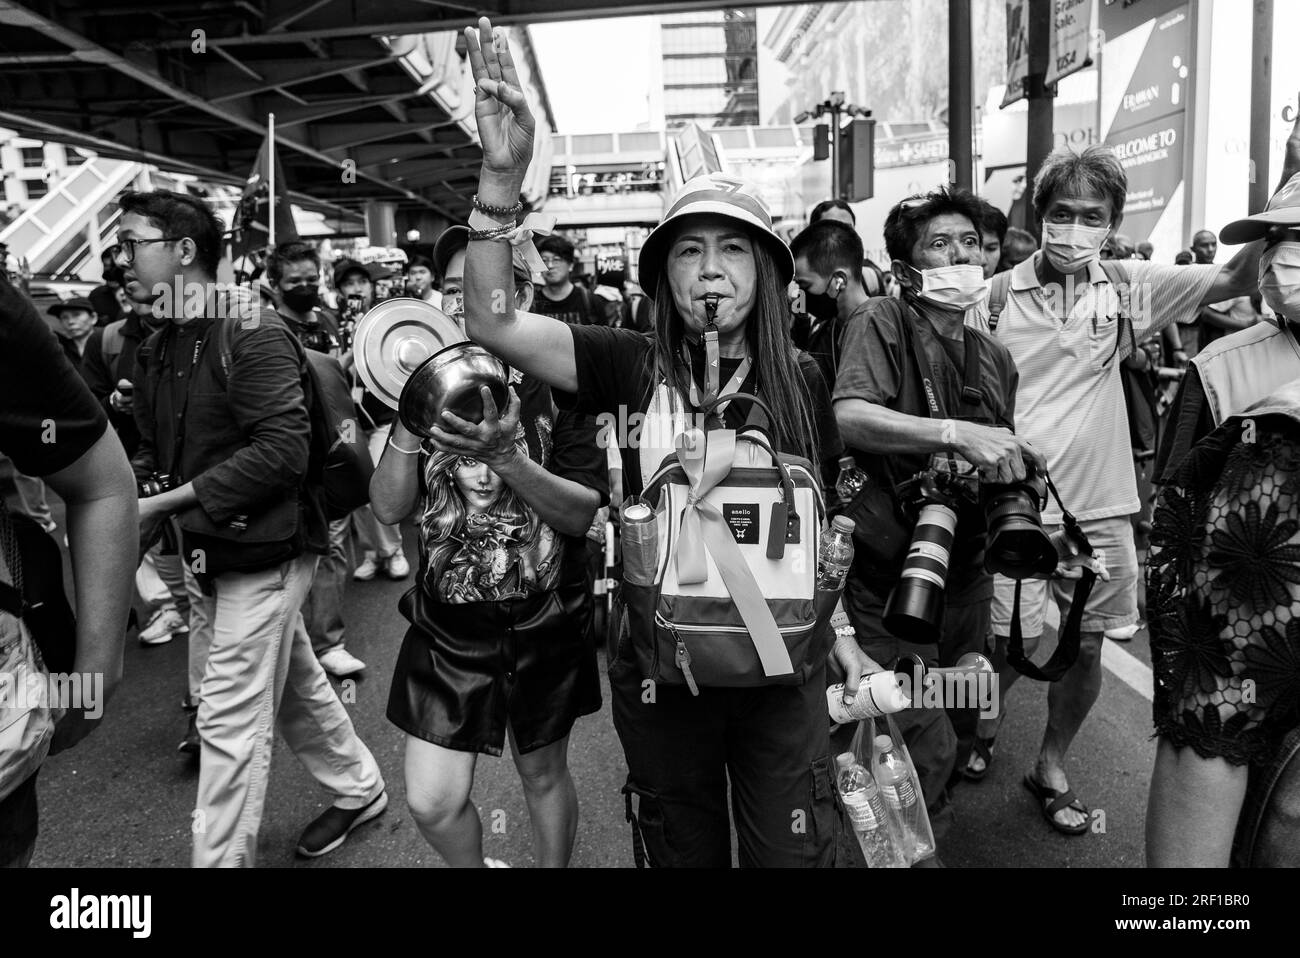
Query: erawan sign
[(1141, 99), (1145, 80)]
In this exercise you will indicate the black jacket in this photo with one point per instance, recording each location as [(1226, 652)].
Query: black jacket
[(245, 436)]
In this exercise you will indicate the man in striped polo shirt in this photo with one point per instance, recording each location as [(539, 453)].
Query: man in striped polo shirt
[(1059, 314)]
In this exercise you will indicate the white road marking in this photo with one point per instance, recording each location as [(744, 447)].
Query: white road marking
[(1128, 668), (1125, 666)]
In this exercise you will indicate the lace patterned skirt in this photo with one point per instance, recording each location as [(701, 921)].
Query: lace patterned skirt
[(1223, 595)]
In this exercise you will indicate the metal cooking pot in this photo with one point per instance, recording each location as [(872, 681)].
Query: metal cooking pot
[(394, 339), (450, 380)]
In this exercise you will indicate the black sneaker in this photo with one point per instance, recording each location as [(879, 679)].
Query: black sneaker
[(334, 825), (191, 744)]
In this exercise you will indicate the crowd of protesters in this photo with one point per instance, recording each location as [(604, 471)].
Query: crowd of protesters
[(197, 437)]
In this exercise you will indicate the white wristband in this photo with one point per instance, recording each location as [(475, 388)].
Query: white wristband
[(948, 432), (404, 452)]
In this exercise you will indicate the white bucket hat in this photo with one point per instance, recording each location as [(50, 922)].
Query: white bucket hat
[(720, 195), (1283, 210)]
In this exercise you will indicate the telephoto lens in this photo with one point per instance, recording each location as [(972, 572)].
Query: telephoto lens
[(916, 604)]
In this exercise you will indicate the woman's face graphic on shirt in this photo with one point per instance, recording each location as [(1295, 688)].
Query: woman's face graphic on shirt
[(478, 484), (713, 255)]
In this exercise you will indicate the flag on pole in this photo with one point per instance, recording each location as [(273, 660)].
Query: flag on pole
[(253, 226)]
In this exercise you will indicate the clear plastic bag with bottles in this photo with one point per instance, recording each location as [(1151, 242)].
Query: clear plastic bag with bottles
[(878, 746)]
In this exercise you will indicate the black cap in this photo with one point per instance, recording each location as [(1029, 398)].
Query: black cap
[(345, 266), (79, 302)]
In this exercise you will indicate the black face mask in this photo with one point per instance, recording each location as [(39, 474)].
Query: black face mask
[(301, 300), (822, 305)]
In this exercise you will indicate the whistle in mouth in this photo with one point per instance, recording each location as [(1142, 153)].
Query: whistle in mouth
[(711, 306)]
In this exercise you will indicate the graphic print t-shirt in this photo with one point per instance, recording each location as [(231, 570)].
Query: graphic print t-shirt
[(579, 308), (506, 551)]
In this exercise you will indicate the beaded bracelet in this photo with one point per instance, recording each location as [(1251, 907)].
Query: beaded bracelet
[(499, 211)]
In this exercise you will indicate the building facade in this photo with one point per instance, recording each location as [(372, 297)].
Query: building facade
[(710, 68)]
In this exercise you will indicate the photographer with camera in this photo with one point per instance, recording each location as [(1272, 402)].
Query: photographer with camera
[(915, 394), (231, 433)]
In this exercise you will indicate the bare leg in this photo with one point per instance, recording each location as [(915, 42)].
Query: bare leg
[(1007, 675), (438, 783), (552, 800), (1193, 809), (1068, 703)]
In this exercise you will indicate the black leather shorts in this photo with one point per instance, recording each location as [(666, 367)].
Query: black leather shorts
[(465, 669)]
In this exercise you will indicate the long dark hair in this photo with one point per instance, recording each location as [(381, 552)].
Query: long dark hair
[(768, 335)]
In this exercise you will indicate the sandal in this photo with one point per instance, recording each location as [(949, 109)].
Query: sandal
[(983, 748), (1052, 801)]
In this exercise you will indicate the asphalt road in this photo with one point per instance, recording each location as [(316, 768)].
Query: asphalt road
[(124, 796)]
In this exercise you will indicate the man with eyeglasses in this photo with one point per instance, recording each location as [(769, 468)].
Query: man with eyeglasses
[(224, 442), (560, 297)]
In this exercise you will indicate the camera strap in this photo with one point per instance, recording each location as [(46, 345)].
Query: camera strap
[(178, 437), (1067, 647), (970, 392)]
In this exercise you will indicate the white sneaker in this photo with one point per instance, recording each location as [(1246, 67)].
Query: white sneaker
[(495, 863), (1123, 634), (396, 566), (341, 663), (367, 570), (163, 626)]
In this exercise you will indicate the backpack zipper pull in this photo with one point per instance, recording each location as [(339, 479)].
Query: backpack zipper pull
[(683, 660)]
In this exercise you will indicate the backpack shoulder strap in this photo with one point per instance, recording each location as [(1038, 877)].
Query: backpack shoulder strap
[(110, 344), (593, 315), (223, 336), (1118, 277), (998, 292)]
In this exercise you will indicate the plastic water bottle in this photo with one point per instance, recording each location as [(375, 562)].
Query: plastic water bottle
[(835, 555), (851, 480), (896, 786), (878, 694), (866, 812)]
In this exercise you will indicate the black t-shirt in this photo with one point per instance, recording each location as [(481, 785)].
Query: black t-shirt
[(617, 377), (877, 365), (577, 309), (1190, 420), (48, 417)]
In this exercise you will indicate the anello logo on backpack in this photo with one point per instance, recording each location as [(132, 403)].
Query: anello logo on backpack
[(743, 519)]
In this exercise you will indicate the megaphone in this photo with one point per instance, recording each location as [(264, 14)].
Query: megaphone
[(417, 360)]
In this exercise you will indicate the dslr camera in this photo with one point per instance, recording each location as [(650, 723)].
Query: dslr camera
[(155, 484), (1017, 546)]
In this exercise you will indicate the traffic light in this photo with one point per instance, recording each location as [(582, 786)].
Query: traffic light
[(857, 160), (822, 141)]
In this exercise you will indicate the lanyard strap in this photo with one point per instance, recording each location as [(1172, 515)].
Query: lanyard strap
[(970, 392), (712, 394), (178, 436)]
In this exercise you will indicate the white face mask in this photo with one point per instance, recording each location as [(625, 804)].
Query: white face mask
[(952, 287), (1069, 248), (1279, 280)]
